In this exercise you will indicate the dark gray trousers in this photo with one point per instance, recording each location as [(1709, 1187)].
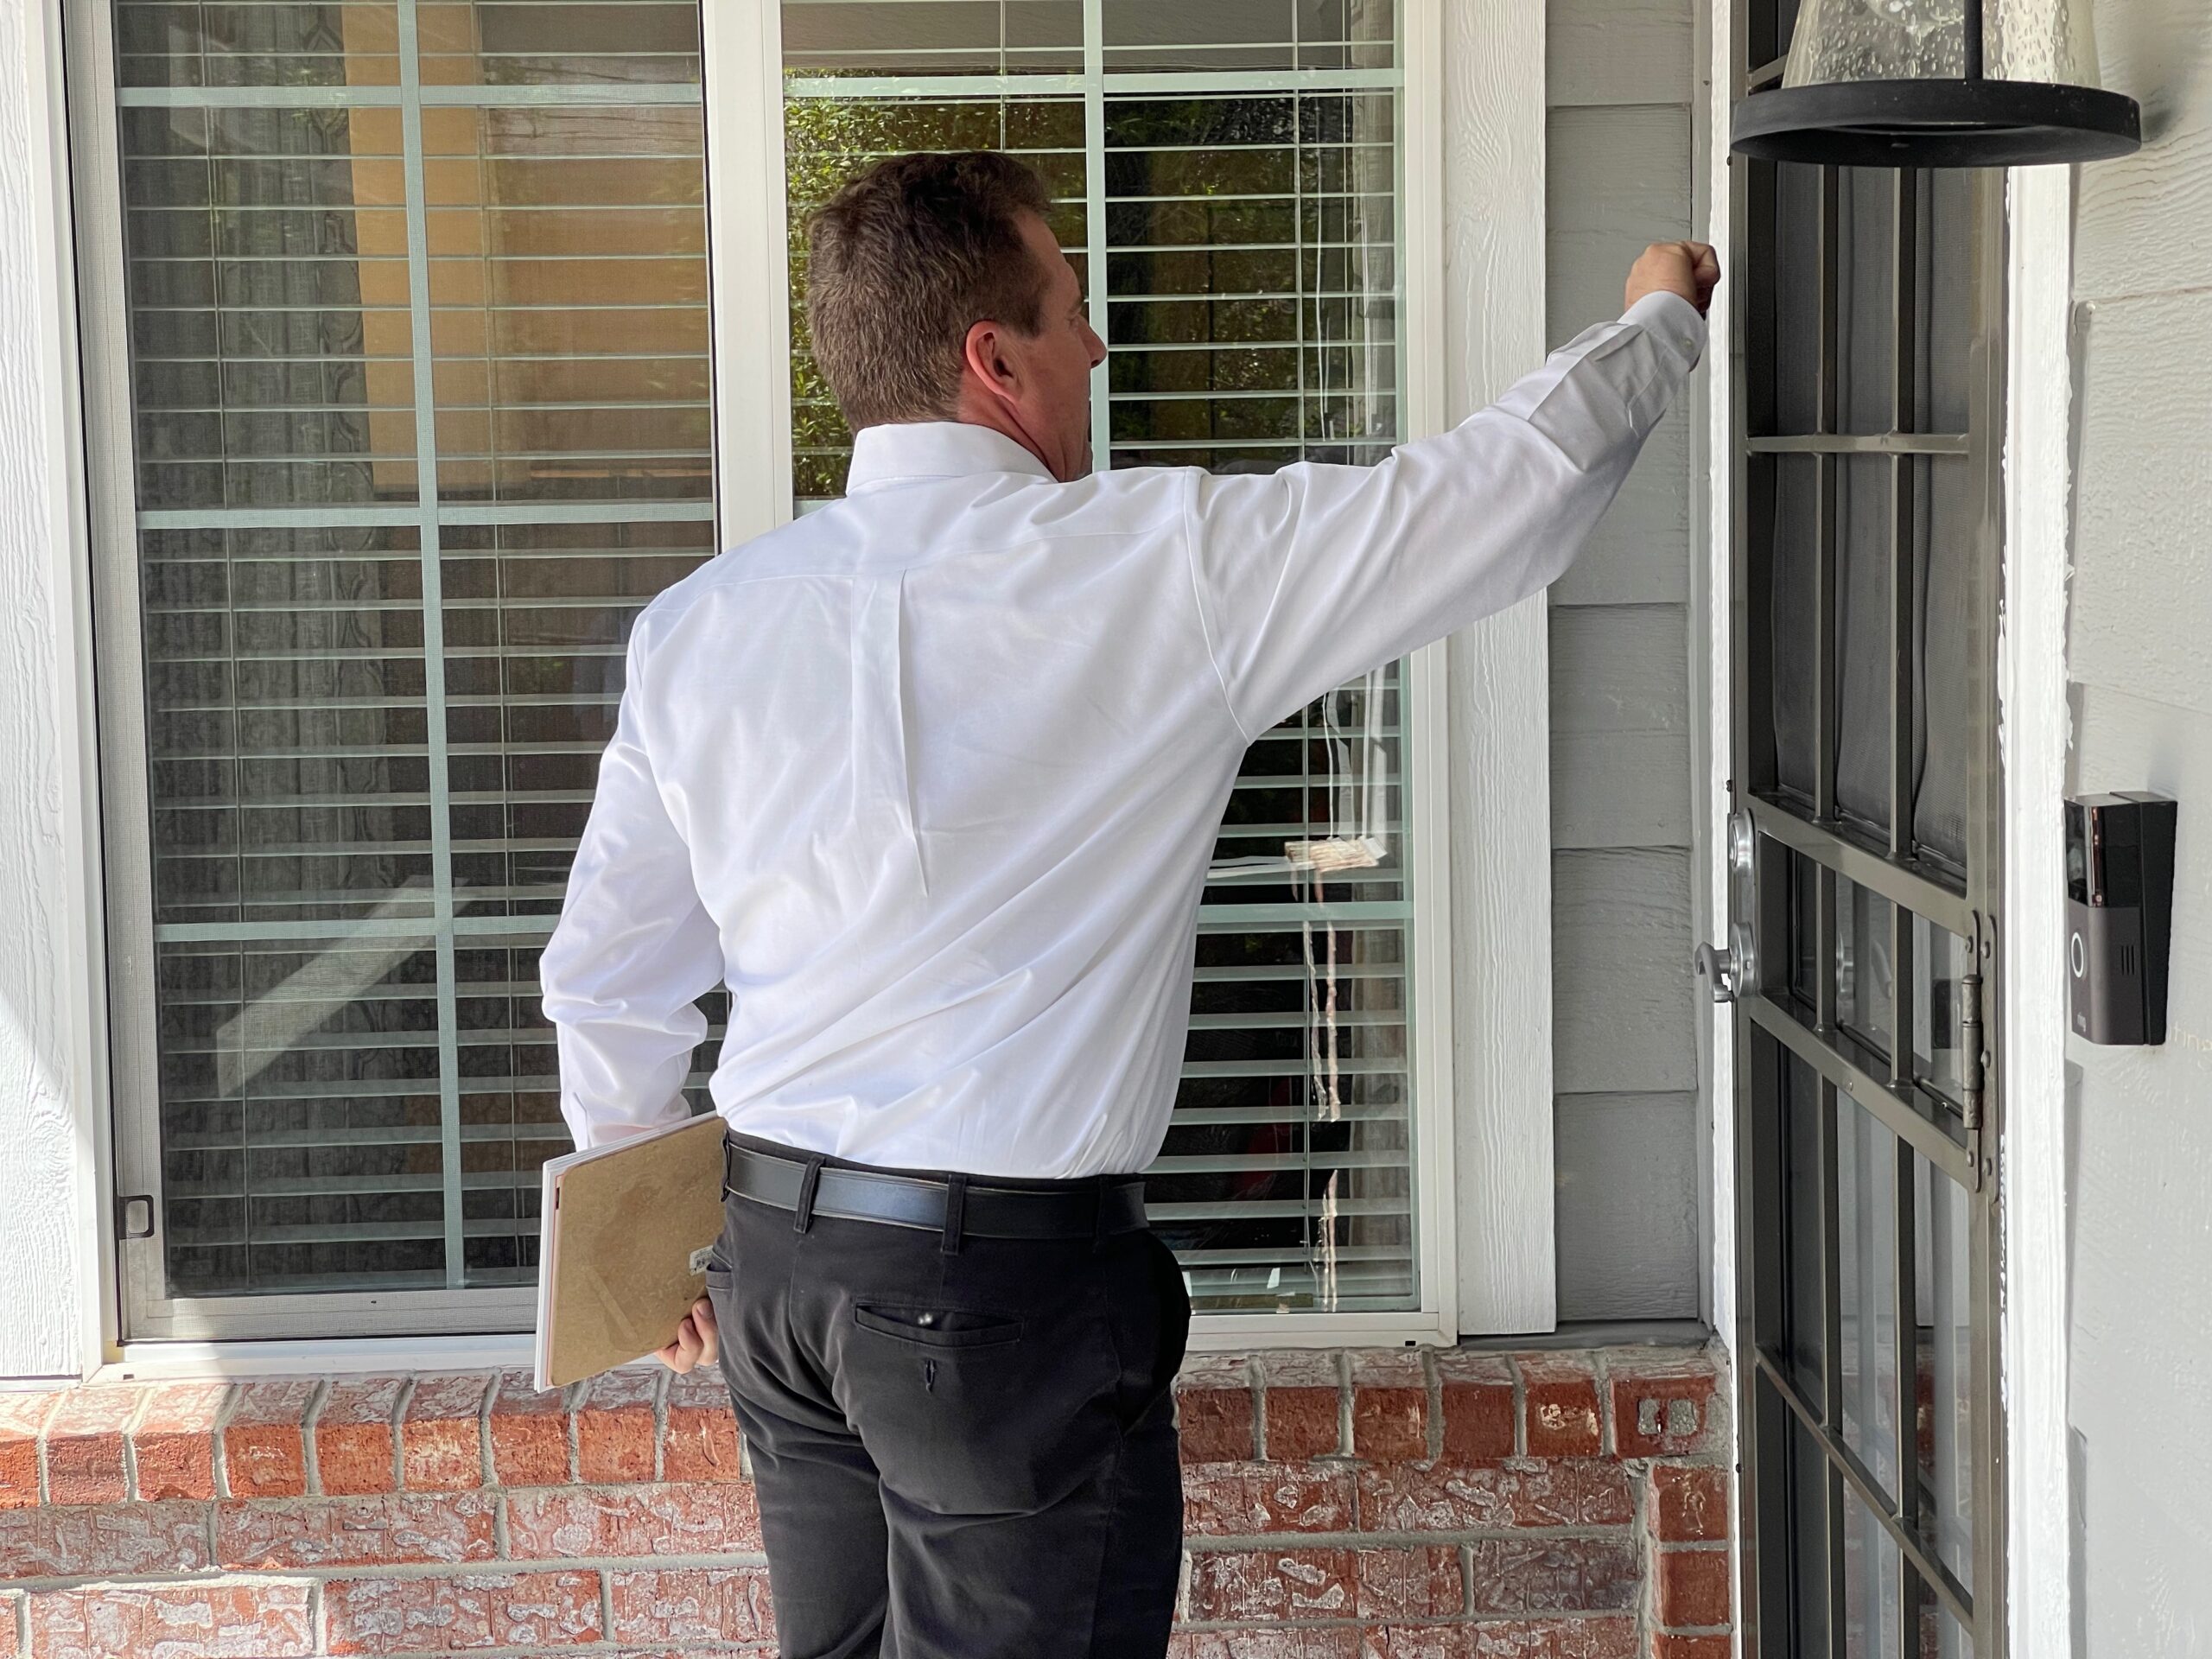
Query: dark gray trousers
[(962, 1453)]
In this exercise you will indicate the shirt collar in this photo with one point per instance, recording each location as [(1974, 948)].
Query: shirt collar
[(909, 451)]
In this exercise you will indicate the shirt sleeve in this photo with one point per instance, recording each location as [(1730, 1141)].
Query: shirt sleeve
[(634, 952), (1307, 576)]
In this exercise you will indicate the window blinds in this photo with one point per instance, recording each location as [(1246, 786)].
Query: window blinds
[(1226, 181), (418, 308)]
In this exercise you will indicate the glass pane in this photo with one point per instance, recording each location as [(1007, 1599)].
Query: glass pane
[(188, 43), (1157, 34), (1805, 1165), (1866, 987), (1941, 959), (1874, 1585), (933, 37), (266, 257), (1865, 658), (1867, 1267), (1942, 1296), (1943, 295), (1793, 548), (1251, 279), (1812, 1556), (1248, 279), (1943, 1636), (345, 776), (592, 42), (1866, 325), (1805, 877), (1797, 291), (828, 137), (568, 286), (1946, 535), (301, 1120)]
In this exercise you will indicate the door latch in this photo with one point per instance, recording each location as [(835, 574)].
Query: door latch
[(134, 1217), (1729, 968)]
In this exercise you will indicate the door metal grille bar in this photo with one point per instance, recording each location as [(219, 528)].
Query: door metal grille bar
[(1861, 443), (1850, 1470), (1888, 1104)]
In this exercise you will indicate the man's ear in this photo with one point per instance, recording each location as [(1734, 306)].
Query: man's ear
[(986, 362)]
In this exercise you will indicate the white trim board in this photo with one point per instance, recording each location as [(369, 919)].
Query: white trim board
[(2032, 737), (53, 1079), (1492, 329)]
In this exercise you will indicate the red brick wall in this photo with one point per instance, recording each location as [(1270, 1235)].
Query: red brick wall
[(1364, 1505)]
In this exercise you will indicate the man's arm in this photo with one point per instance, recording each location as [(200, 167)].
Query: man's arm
[(1313, 574), (634, 952)]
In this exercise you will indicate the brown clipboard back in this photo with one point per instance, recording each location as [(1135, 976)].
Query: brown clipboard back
[(622, 1255)]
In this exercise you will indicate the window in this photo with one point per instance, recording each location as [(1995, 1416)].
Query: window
[(419, 319), (1224, 180)]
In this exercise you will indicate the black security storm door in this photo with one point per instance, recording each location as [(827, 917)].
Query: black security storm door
[(1864, 882)]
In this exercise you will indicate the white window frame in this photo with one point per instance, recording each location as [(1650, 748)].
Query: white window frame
[(1476, 757)]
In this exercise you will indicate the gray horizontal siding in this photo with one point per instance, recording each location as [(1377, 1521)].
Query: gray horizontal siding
[(1617, 177)]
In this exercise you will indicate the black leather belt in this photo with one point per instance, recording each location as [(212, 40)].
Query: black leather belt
[(1079, 1208)]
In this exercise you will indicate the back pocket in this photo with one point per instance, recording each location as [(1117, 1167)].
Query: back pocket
[(936, 1327)]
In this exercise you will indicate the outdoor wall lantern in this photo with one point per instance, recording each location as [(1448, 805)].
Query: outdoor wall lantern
[(1921, 83)]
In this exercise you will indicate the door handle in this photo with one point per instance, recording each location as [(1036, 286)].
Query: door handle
[(1728, 968)]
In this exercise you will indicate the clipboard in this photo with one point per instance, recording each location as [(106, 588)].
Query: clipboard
[(626, 1232)]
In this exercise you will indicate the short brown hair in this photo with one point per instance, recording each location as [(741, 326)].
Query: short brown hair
[(902, 262)]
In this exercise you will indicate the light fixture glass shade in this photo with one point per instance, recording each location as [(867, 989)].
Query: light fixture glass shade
[(1877, 40), (1939, 83), (1925, 40)]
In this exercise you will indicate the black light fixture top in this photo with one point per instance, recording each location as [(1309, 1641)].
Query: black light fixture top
[(1960, 120)]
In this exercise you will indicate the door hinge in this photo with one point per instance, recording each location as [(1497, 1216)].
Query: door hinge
[(134, 1217), (1973, 1065)]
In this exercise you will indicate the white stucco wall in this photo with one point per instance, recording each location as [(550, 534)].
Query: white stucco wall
[(47, 956), (2139, 1130)]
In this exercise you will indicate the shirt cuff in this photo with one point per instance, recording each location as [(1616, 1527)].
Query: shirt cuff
[(1673, 322)]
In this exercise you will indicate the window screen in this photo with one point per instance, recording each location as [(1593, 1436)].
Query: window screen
[(418, 302), (1224, 181)]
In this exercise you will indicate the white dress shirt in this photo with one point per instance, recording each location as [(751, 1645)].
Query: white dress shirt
[(930, 778)]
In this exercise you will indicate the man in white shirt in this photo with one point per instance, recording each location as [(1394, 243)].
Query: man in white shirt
[(930, 780)]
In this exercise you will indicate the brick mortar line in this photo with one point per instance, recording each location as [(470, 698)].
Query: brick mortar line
[(489, 1472), (662, 1383), (1644, 1521), (1402, 1540), (219, 1470), (1344, 1448), (1520, 1407), (380, 1571), (130, 1432), (572, 1400), (1426, 1621), (405, 1398), (310, 1461), (1257, 1385), (509, 1565), (1432, 1382)]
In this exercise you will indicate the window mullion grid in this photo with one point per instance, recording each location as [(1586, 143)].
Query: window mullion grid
[(1094, 222), (434, 673)]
